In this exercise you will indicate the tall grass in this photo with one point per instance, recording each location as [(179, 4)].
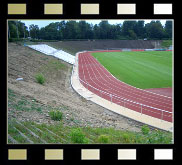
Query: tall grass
[(56, 115), (40, 78), (77, 136)]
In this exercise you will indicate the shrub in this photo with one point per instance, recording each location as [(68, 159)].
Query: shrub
[(40, 78), (56, 115), (158, 137), (145, 129), (103, 139), (77, 136), (15, 39)]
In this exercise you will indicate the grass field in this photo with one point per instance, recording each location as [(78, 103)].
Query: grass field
[(152, 69)]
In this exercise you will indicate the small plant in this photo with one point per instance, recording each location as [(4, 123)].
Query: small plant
[(126, 137), (40, 78), (56, 115), (103, 139), (77, 136), (11, 94), (72, 118), (145, 129)]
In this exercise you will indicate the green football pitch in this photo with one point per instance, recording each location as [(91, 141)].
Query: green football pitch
[(147, 69)]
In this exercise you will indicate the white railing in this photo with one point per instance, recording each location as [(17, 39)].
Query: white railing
[(127, 101), (120, 99)]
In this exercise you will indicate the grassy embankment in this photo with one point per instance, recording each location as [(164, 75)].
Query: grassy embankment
[(32, 132)]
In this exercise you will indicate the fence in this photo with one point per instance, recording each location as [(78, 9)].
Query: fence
[(125, 50), (139, 107)]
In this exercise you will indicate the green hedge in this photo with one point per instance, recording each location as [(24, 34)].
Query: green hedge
[(16, 39)]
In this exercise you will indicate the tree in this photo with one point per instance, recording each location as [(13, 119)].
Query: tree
[(155, 30), (17, 29), (71, 30), (118, 31), (132, 34), (96, 31), (129, 29), (168, 29), (12, 29), (140, 29), (51, 32), (34, 31), (82, 25), (89, 32), (103, 30), (23, 30)]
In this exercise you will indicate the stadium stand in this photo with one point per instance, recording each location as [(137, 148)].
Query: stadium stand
[(43, 48)]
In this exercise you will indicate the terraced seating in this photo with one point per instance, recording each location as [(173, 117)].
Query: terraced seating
[(65, 56), (34, 134), (48, 50)]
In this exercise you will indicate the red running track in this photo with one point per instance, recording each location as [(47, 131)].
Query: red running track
[(98, 80)]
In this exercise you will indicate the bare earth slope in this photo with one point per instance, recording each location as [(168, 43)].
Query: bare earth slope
[(56, 92)]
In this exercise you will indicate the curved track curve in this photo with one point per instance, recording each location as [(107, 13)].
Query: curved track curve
[(97, 79)]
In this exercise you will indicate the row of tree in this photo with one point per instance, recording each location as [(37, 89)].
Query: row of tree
[(83, 30)]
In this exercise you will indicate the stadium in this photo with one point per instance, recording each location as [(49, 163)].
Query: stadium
[(119, 85)]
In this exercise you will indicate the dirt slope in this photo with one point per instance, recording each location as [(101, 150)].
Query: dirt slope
[(56, 92)]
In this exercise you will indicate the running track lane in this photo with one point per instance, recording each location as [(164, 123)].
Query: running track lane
[(98, 80)]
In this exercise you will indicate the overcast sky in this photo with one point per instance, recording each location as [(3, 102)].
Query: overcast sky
[(43, 23)]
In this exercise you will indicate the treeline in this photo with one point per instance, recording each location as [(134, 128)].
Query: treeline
[(17, 29), (66, 30)]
